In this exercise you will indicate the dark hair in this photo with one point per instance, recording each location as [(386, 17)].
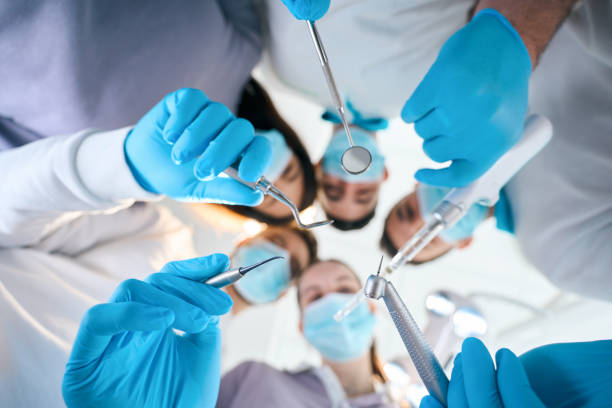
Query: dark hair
[(311, 243), (256, 106), (375, 361), (343, 225), (388, 248)]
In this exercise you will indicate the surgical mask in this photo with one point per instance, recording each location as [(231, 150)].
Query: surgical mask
[(430, 196), (332, 158), (281, 154), (338, 341), (266, 283)]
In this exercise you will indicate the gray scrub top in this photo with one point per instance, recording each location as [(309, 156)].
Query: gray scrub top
[(562, 200), (75, 64), (254, 384)]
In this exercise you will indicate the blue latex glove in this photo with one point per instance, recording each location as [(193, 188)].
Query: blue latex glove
[(307, 9), (475, 383), (181, 145), (471, 105), (571, 374), (127, 355)]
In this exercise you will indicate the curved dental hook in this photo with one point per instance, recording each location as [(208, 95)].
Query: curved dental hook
[(281, 197), (266, 187)]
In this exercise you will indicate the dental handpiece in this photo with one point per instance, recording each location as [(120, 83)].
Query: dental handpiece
[(536, 134), (429, 368), (267, 188), (228, 277)]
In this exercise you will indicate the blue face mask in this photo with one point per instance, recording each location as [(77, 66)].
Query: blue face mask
[(338, 341), (332, 158), (281, 154), (430, 196), (266, 283)]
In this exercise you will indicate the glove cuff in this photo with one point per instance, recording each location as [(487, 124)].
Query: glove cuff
[(508, 25), (103, 170)]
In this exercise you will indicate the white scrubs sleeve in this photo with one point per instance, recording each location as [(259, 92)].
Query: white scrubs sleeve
[(51, 182)]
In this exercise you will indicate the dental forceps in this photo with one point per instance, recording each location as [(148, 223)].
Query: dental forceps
[(267, 188)]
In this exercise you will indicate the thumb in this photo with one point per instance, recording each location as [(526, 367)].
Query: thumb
[(459, 174), (421, 102), (512, 382), (430, 402), (102, 322)]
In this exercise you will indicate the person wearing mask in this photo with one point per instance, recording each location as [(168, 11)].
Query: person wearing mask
[(470, 107), (350, 200), (409, 214), (290, 168), (351, 372), (70, 230), (269, 282)]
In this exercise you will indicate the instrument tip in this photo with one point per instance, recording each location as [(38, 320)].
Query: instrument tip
[(380, 265), (244, 269)]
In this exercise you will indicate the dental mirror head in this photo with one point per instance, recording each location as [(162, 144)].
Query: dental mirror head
[(356, 160)]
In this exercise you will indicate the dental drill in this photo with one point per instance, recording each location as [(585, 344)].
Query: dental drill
[(427, 365), (485, 190)]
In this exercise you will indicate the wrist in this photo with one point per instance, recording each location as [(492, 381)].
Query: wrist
[(103, 168), (140, 179)]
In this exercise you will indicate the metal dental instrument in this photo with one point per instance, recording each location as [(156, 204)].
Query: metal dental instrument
[(231, 276), (267, 188), (485, 190), (355, 159), (425, 361)]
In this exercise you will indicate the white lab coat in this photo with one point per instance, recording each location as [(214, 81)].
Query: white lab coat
[(70, 231), (379, 50)]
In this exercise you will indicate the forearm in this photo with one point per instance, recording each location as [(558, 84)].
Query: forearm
[(535, 21), (48, 183)]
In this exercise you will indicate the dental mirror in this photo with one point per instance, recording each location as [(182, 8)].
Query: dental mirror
[(356, 160)]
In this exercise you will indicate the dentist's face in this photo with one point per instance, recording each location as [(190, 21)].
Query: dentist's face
[(405, 220), (347, 201), (323, 278), (290, 182)]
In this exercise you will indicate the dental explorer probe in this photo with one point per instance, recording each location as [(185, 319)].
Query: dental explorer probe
[(267, 188), (355, 159), (429, 368), (228, 277), (485, 190)]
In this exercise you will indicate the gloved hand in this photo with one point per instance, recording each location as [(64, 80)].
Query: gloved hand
[(571, 374), (307, 9), (181, 145), (476, 384), (471, 105), (127, 355)]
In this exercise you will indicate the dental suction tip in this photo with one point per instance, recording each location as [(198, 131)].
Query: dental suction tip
[(249, 268)]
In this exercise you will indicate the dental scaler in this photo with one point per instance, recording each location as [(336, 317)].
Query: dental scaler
[(485, 190)]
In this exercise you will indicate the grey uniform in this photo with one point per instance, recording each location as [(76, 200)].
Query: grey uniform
[(562, 199), (75, 64), (253, 384)]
